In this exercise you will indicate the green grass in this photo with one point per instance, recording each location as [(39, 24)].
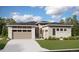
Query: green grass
[(58, 44), (3, 42)]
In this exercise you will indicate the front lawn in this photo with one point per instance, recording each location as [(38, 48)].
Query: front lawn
[(3, 42), (59, 44)]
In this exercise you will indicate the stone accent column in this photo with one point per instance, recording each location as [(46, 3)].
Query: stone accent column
[(10, 32)]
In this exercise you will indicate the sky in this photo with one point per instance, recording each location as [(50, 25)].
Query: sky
[(38, 13)]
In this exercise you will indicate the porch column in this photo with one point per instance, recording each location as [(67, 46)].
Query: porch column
[(10, 32), (33, 33)]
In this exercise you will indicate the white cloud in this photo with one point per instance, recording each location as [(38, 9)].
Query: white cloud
[(64, 18), (77, 8), (56, 18), (26, 18), (51, 21), (76, 13), (37, 18), (55, 10), (38, 6), (15, 13), (5, 17), (41, 6)]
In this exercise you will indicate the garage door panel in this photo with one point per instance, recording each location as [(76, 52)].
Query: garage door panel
[(22, 35)]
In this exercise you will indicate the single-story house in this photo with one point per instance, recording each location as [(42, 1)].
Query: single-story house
[(56, 30), (33, 30)]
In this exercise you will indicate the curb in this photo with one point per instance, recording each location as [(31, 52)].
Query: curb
[(64, 50)]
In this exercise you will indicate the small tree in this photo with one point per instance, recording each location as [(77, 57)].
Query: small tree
[(62, 21), (73, 21), (5, 31)]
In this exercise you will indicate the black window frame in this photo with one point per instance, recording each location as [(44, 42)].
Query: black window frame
[(24, 31), (53, 31), (14, 30), (28, 30), (57, 29), (65, 29), (19, 30), (46, 30), (61, 29)]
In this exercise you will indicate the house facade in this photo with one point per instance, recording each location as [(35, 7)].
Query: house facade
[(56, 31), (33, 30), (21, 31)]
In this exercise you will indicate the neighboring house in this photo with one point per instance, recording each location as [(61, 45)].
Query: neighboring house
[(33, 30)]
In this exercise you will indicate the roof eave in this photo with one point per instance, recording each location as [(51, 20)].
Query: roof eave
[(20, 25)]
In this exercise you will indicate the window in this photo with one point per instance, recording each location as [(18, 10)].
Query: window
[(14, 30), (19, 30), (24, 26), (53, 32), (65, 29), (19, 26), (61, 29), (46, 30), (41, 31), (29, 30), (57, 29), (24, 30), (28, 27), (14, 26)]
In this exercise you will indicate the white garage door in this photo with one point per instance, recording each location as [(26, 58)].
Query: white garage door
[(22, 34)]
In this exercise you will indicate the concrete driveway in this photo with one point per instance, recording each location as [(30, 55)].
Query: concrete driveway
[(22, 45)]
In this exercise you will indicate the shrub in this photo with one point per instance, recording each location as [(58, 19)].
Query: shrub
[(45, 39), (2, 46), (50, 38), (71, 38), (53, 38), (3, 42), (77, 37), (65, 38)]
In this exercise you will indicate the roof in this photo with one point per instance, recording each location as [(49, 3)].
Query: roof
[(26, 23), (57, 25), (34, 23), (46, 23)]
